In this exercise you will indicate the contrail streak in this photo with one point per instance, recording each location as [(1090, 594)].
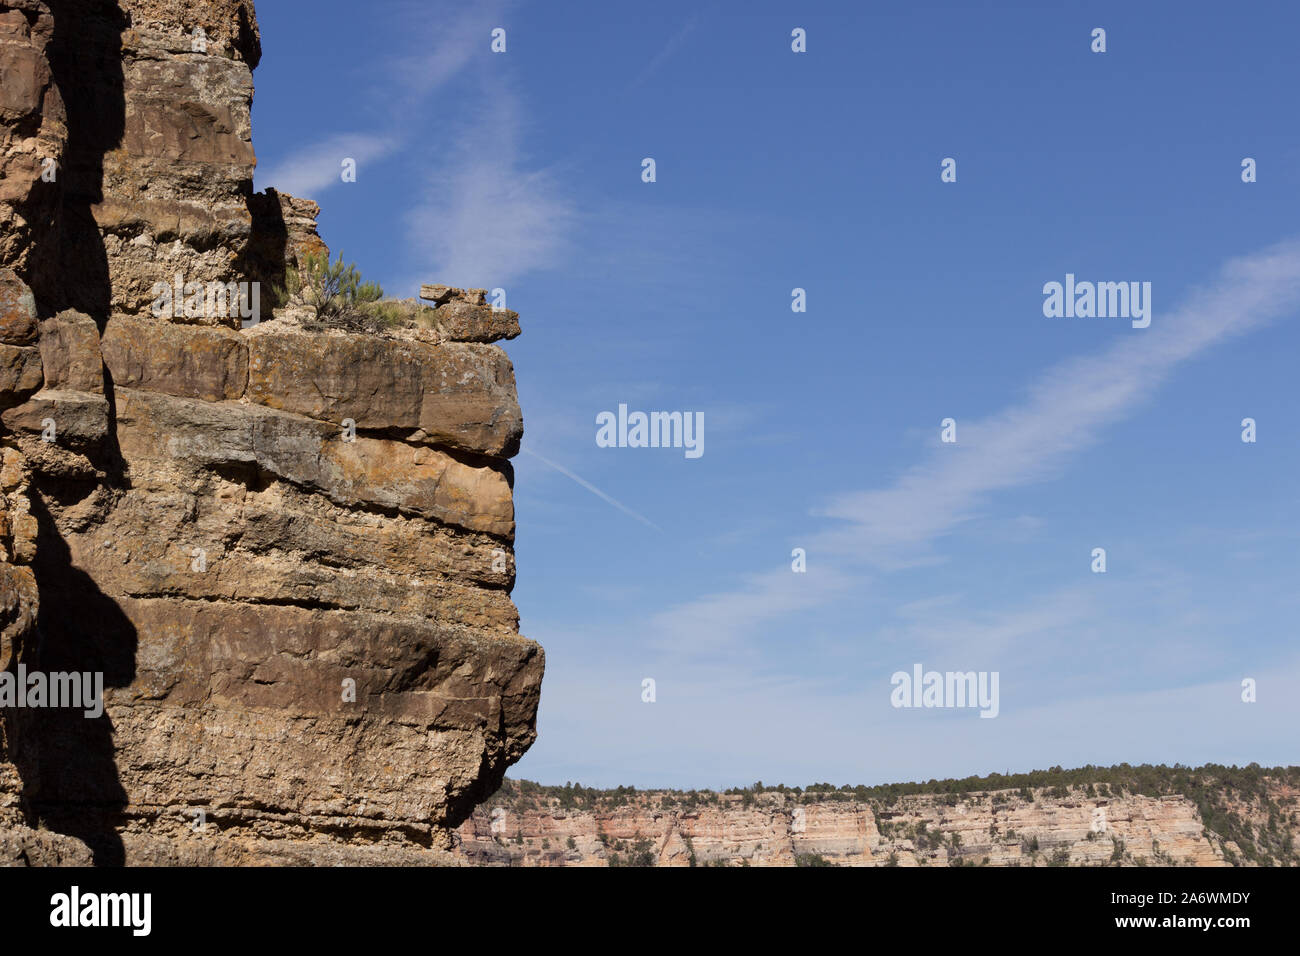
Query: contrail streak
[(594, 490)]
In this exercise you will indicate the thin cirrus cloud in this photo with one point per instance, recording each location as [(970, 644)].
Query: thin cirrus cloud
[(448, 37), (1065, 412), (444, 41), (486, 218), (314, 169), (482, 217), (726, 623)]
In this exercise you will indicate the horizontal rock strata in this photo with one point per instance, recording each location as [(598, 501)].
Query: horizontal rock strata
[(289, 553), (1002, 828)]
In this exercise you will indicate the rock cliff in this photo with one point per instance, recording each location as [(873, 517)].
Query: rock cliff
[(288, 551), (1068, 825)]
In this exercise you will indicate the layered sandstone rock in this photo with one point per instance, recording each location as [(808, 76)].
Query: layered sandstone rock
[(289, 553), (463, 315), (33, 140), (999, 828)]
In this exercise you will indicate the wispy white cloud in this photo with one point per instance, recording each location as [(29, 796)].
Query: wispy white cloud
[(1064, 413), (726, 715), (483, 215), (315, 168), (487, 217), (942, 625), (444, 39), (726, 622)]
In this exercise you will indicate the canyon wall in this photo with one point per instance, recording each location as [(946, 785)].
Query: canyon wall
[(287, 550), (528, 825)]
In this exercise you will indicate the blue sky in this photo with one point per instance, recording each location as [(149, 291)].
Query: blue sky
[(821, 170)]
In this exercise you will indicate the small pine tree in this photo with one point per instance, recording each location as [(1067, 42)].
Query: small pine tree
[(332, 290)]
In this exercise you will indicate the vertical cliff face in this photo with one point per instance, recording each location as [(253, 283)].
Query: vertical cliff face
[(288, 552)]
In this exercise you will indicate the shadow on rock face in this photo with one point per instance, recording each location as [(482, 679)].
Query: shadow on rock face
[(263, 258), (85, 57), (70, 782), (66, 759)]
